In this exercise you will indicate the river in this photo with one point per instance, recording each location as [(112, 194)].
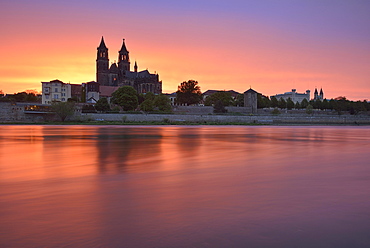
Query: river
[(184, 186)]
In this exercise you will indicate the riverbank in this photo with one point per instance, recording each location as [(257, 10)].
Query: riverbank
[(173, 119), (24, 114), (226, 119)]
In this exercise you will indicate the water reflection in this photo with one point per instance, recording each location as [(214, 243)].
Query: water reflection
[(173, 186)]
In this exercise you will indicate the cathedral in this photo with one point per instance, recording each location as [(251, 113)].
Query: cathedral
[(120, 74)]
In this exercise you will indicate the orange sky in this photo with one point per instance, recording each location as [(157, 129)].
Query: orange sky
[(271, 48)]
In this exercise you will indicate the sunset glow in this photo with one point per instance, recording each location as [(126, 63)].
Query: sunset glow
[(271, 46)]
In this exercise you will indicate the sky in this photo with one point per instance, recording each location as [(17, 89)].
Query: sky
[(272, 46)]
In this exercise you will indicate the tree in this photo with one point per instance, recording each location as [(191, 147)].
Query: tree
[(141, 98), (24, 97), (324, 104), (304, 103), (274, 102), (126, 97), (219, 107), (289, 104), (239, 101), (63, 109), (297, 105), (225, 97), (188, 93), (316, 104), (149, 96), (282, 103), (263, 101), (102, 104), (163, 103), (147, 105)]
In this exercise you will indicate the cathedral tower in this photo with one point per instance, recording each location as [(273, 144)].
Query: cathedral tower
[(123, 58), (102, 64), (321, 94), (315, 94)]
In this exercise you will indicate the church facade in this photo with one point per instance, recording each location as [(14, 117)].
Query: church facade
[(120, 74)]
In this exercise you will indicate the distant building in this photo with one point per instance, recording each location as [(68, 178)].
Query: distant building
[(318, 96), (120, 74), (250, 100), (76, 91), (172, 97), (294, 96), (55, 90), (107, 91), (91, 92)]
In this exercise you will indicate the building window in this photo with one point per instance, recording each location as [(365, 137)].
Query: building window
[(56, 90), (56, 96), (47, 97)]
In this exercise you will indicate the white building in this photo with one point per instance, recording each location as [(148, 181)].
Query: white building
[(172, 97), (55, 91), (90, 92), (294, 96)]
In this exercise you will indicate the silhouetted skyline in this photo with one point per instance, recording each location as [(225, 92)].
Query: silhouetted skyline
[(272, 46)]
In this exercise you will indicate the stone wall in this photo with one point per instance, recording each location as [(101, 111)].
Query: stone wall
[(209, 109), (14, 112), (11, 112), (245, 119)]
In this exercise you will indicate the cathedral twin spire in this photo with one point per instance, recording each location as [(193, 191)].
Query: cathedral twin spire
[(119, 74), (317, 95), (123, 56)]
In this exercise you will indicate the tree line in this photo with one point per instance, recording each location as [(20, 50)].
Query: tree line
[(126, 98), (26, 96), (339, 104), (189, 93)]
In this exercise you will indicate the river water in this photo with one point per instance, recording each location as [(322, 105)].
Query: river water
[(184, 186)]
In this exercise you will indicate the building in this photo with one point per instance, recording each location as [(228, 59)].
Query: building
[(317, 96), (107, 91), (172, 98), (250, 100), (294, 96), (55, 90), (120, 74), (91, 91)]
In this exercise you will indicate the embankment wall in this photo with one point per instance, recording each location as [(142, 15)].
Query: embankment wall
[(246, 119), (15, 112)]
